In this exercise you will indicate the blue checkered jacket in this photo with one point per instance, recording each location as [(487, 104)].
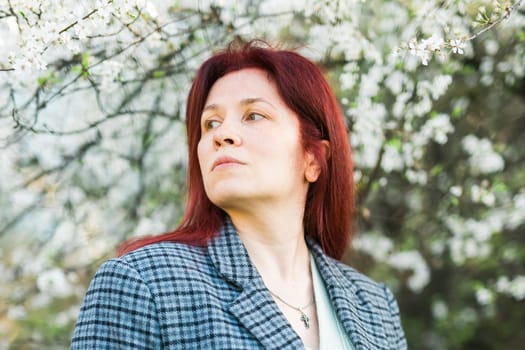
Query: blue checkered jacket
[(174, 296)]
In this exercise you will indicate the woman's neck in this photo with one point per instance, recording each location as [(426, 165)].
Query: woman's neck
[(277, 248), (275, 243)]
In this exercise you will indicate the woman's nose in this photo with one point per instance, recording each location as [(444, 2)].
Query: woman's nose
[(226, 136)]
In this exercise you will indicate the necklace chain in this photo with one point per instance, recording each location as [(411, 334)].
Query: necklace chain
[(304, 317)]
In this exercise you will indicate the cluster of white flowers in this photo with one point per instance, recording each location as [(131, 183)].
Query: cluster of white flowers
[(470, 238), (54, 283), (367, 136), (330, 11), (482, 194), (484, 296), (516, 214), (350, 77), (436, 128), (514, 287), (453, 37), (392, 159), (425, 48), (381, 248), (107, 73), (374, 244), (439, 309), (483, 158), (413, 261)]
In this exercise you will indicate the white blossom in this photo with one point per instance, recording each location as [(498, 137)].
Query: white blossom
[(437, 128), (483, 158), (395, 82), (484, 296), (348, 80), (419, 177), (16, 312), (516, 215), (457, 46), (439, 309), (392, 159), (399, 108), (419, 50), (491, 46), (440, 85), (514, 287), (108, 71), (456, 191), (376, 245), (412, 260), (482, 195), (54, 283), (148, 226), (434, 43), (368, 134)]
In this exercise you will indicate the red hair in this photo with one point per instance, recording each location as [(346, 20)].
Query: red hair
[(303, 87)]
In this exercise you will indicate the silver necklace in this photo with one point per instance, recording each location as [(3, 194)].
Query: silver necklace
[(304, 317)]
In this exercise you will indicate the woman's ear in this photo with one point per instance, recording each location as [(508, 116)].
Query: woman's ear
[(312, 173), (313, 169)]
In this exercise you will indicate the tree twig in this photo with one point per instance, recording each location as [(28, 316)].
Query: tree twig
[(508, 12)]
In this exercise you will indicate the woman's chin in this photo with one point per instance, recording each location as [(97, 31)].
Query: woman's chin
[(232, 200)]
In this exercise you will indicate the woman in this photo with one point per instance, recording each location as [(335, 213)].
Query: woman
[(254, 262)]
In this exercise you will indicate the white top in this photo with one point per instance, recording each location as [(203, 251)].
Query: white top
[(331, 332)]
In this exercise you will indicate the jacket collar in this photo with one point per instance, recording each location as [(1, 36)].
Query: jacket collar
[(230, 257), (352, 303), (255, 309)]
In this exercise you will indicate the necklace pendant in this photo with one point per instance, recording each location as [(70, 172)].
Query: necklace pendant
[(306, 320)]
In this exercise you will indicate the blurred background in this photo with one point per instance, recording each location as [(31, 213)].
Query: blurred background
[(93, 149)]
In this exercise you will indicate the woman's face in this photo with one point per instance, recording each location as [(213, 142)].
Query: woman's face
[(250, 150)]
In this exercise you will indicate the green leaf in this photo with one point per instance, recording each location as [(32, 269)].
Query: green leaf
[(42, 81), (158, 74), (47, 80), (499, 187), (84, 65), (85, 60), (436, 170), (457, 112), (396, 143)]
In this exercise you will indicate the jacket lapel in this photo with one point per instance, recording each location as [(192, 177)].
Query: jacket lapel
[(356, 312), (254, 308)]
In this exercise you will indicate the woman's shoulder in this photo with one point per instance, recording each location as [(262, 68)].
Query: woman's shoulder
[(160, 261), (165, 253)]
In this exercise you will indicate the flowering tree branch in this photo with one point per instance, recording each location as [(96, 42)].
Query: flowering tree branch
[(507, 13)]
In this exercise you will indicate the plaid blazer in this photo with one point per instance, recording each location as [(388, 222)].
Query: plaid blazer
[(174, 296)]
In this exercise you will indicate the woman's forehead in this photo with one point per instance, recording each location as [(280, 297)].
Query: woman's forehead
[(249, 85)]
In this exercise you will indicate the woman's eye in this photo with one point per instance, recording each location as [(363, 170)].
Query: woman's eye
[(254, 116), (211, 124)]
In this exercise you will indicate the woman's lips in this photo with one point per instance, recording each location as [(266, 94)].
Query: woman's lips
[(224, 161)]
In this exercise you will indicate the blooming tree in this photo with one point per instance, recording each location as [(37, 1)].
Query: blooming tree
[(92, 98)]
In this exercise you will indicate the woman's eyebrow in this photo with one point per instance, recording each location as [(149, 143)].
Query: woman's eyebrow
[(252, 100), (212, 107), (243, 102)]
